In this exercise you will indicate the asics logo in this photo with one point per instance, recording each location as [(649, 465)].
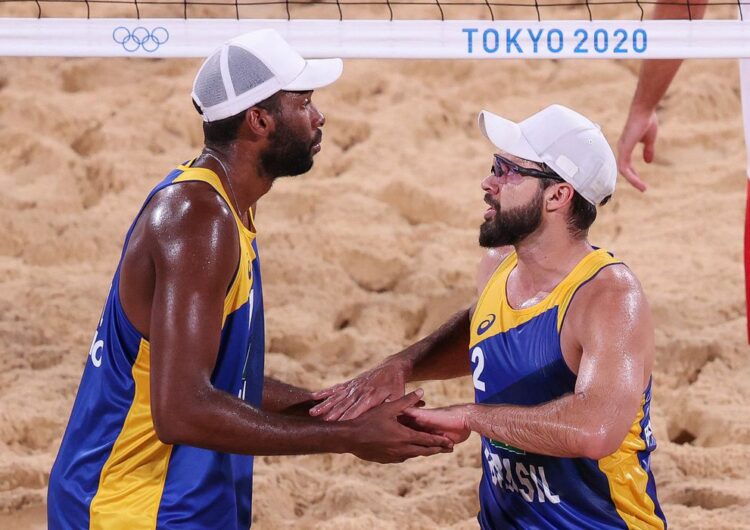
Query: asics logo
[(486, 324), (140, 38)]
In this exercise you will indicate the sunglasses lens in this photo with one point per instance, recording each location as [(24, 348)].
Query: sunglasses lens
[(500, 168)]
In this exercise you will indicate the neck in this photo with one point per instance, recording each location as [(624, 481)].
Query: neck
[(240, 174), (547, 256)]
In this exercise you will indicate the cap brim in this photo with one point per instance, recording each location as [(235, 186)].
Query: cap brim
[(316, 74), (506, 135)]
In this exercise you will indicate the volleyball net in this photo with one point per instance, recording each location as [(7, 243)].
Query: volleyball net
[(429, 29)]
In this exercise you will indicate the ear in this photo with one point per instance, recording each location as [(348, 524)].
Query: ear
[(558, 196), (259, 121)]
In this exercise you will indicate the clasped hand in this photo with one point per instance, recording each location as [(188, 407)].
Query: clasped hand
[(383, 388)]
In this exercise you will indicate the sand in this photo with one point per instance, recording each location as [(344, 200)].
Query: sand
[(368, 252)]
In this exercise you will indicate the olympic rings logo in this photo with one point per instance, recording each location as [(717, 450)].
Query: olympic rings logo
[(140, 37)]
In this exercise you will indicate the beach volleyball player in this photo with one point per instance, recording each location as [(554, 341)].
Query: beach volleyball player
[(173, 399), (559, 344)]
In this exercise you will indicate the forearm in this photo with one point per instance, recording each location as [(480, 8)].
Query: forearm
[(657, 74), (221, 422), (565, 427), (441, 355), (285, 398)]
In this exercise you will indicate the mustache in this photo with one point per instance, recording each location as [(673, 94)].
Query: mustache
[(489, 201), (318, 137)]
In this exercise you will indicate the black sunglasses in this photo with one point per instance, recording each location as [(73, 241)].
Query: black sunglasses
[(503, 166)]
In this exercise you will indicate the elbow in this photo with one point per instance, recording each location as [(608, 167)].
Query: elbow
[(599, 442), (172, 423), (166, 431), (165, 426)]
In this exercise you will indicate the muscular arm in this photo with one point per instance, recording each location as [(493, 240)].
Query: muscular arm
[(193, 242), (195, 252), (612, 326), (285, 398), (444, 353), (654, 79)]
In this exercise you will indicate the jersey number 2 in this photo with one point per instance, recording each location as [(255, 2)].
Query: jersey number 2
[(477, 356)]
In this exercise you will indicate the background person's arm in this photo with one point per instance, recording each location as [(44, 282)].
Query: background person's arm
[(195, 255), (654, 79), (612, 323)]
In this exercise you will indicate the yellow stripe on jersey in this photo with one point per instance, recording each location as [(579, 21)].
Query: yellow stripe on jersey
[(239, 290), (132, 480), (628, 481), (586, 269), (494, 302)]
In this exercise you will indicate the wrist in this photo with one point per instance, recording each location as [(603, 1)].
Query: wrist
[(641, 107), (470, 414), (345, 437), (402, 363)]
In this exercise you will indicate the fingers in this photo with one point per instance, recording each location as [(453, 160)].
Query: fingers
[(420, 419), (413, 451), (352, 398), (649, 141), (403, 403), (426, 439), (430, 419), (625, 166), (364, 403), (339, 393), (327, 392), (341, 406), (648, 153), (631, 176)]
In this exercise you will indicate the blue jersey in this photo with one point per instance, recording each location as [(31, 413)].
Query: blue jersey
[(112, 471), (516, 358)]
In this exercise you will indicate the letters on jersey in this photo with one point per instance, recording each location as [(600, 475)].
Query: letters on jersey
[(516, 358)]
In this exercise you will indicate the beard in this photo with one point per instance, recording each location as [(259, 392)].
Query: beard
[(512, 226), (288, 153)]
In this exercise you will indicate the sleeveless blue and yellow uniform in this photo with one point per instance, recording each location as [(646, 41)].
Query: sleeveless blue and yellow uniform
[(516, 358), (112, 472)]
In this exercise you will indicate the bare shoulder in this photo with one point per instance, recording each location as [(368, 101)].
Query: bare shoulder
[(614, 284), (190, 219), (611, 304), (489, 263)]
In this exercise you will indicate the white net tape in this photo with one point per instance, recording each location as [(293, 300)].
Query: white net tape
[(452, 39)]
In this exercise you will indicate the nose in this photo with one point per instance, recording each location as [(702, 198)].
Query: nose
[(318, 118), (491, 184)]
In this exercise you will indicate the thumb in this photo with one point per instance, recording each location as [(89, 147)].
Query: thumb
[(631, 176), (649, 141), (405, 402)]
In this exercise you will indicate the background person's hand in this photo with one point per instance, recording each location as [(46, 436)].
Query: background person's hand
[(641, 127), (349, 400), (379, 435), (448, 421)]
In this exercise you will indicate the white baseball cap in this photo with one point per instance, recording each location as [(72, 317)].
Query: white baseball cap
[(251, 68), (569, 143)]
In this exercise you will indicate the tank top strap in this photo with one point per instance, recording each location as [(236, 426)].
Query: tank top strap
[(201, 174), (581, 274), (495, 286)]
